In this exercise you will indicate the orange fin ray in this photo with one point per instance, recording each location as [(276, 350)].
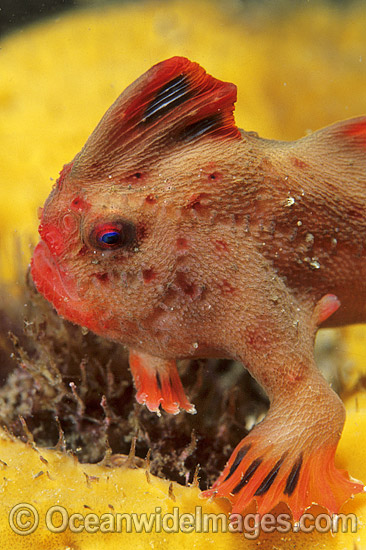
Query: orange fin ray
[(299, 480), (158, 384)]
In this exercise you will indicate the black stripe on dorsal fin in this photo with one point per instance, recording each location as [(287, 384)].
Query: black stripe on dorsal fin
[(173, 94), (173, 103), (201, 127)]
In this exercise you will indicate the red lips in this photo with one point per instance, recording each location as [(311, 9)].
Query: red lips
[(55, 284)]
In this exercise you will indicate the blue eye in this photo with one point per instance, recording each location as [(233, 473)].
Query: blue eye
[(113, 235), (111, 238), (109, 235)]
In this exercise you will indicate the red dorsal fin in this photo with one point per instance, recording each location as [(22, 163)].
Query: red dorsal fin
[(173, 103)]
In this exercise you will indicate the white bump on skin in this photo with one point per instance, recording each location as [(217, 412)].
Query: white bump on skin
[(289, 201)]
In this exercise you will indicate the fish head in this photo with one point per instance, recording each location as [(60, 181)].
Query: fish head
[(121, 230)]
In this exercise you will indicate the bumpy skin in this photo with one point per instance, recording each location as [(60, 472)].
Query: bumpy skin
[(179, 235)]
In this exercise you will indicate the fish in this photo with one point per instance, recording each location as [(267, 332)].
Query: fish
[(180, 235)]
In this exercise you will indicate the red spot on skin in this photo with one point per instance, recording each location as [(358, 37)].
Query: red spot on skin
[(148, 275), (214, 176), (80, 205), (102, 277), (53, 237), (189, 289), (299, 163), (197, 202), (151, 199), (227, 288), (182, 243), (221, 246)]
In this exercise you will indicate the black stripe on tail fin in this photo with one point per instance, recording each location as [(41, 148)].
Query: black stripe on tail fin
[(293, 478)]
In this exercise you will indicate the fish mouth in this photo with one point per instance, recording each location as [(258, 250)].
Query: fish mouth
[(64, 293), (56, 285)]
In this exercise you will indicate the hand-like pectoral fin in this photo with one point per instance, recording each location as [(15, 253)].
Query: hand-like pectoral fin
[(158, 384)]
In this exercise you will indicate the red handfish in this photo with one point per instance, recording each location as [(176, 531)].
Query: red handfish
[(179, 235)]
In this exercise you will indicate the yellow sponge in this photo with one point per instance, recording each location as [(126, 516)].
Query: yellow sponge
[(49, 500)]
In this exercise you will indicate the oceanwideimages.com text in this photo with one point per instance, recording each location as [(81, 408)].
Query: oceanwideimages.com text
[(24, 519)]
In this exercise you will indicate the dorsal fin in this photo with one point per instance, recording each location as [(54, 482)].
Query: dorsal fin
[(174, 102), (338, 151), (355, 130), (349, 134)]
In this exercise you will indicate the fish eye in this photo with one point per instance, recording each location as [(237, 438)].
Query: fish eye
[(110, 238), (113, 235)]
